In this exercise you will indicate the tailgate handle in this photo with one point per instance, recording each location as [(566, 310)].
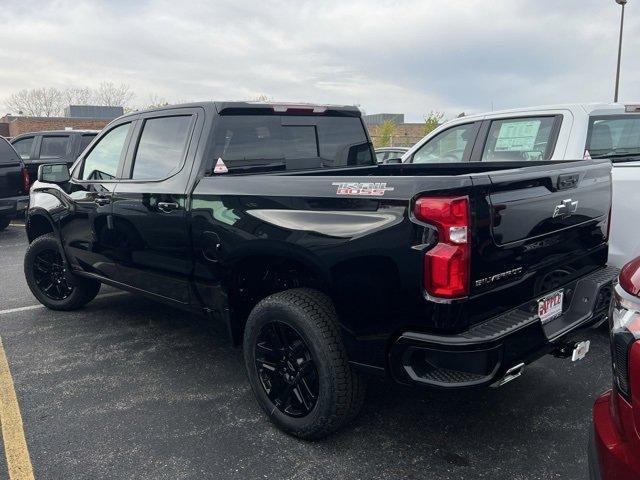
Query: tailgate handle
[(568, 181)]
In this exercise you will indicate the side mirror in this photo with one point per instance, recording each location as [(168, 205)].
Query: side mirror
[(393, 160), (54, 173)]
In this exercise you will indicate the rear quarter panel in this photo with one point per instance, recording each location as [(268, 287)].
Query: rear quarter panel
[(360, 247)]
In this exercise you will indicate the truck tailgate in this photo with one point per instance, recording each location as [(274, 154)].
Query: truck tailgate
[(539, 220)]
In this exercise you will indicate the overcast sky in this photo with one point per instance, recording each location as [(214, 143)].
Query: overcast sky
[(403, 56)]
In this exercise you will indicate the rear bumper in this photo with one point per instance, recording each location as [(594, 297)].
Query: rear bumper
[(483, 354), (12, 206), (610, 455)]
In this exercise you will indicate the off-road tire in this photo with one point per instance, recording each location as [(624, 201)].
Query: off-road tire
[(83, 290), (341, 389)]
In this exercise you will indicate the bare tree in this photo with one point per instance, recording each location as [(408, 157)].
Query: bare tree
[(261, 97), (78, 96), (112, 95), (37, 102), (156, 101)]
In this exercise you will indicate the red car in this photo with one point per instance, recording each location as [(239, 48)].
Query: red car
[(614, 450)]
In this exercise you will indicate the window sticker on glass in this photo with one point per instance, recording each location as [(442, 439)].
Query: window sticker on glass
[(517, 136)]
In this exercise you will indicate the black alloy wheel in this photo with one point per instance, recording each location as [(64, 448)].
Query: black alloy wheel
[(50, 275), (286, 369)]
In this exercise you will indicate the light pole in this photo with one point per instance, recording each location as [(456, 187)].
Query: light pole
[(622, 3)]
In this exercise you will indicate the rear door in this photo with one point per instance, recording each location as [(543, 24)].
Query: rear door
[(149, 208), (618, 137), (548, 221), (526, 138)]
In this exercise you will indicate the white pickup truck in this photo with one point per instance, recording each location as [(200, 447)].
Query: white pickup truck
[(551, 133)]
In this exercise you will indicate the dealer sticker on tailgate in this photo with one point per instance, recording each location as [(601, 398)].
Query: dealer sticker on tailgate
[(550, 306)]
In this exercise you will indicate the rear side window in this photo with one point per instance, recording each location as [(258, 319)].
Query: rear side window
[(292, 143), (614, 136), (85, 140), (53, 147), (520, 139), (23, 147), (102, 162), (161, 148)]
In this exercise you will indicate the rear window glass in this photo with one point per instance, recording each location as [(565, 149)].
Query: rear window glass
[(614, 136), (291, 143), (23, 147), (53, 147), (519, 139)]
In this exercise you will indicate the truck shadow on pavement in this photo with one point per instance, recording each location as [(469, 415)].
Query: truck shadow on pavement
[(131, 385)]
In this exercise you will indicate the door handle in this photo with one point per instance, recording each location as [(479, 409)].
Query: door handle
[(168, 207), (101, 201)]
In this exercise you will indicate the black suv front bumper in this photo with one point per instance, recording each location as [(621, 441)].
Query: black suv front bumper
[(483, 354)]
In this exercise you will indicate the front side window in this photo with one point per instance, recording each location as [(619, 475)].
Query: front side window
[(161, 148), (291, 143), (614, 137), (448, 146), (23, 147), (85, 140), (102, 162), (53, 147), (519, 139)]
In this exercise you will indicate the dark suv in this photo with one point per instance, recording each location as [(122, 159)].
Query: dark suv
[(59, 146)]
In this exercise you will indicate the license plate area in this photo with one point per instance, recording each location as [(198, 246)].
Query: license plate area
[(550, 306)]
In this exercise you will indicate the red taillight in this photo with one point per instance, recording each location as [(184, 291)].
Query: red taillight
[(446, 266), (630, 277), (26, 180)]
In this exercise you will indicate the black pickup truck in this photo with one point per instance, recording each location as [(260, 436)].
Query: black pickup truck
[(276, 222), (14, 184)]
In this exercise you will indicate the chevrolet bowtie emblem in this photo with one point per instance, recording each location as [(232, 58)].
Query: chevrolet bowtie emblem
[(567, 208)]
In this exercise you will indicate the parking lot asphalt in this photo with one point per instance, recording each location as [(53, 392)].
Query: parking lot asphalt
[(130, 389)]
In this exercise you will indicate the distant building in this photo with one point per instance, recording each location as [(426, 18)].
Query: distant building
[(378, 118), (93, 111), (77, 117)]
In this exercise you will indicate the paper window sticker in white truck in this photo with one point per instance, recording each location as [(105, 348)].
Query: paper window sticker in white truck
[(517, 136)]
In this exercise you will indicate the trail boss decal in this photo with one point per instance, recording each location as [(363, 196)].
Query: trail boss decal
[(365, 189)]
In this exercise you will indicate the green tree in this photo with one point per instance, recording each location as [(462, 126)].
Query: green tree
[(432, 121), (384, 134)]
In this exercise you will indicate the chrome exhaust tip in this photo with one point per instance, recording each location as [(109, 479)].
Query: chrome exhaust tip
[(511, 374)]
